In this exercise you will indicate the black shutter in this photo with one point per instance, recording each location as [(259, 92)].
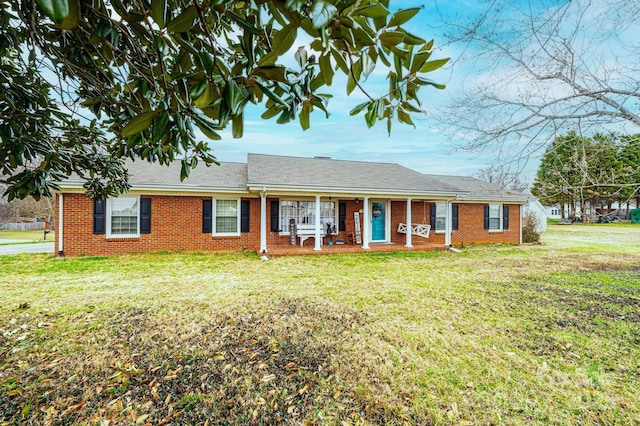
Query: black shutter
[(454, 211), (486, 217), (275, 215), (207, 216), (432, 216), (244, 215), (99, 207), (342, 216), (505, 217), (145, 215)]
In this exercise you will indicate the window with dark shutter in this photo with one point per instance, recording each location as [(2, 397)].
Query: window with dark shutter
[(275, 215), (99, 208), (432, 216), (454, 213), (486, 217), (505, 217), (342, 216), (207, 216), (145, 215), (244, 215)]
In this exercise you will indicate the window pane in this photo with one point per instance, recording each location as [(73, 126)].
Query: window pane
[(494, 216), (440, 217), (304, 212), (287, 211), (124, 216), (328, 216), (307, 212), (226, 225), (226, 216)]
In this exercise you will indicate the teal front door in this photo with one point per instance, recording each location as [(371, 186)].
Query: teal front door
[(378, 222)]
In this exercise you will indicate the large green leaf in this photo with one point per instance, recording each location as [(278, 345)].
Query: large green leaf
[(237, 126), (419, 59), (321, 13), (304, 115), (296, 5), (359, 108), (244, 23), (403, 117), (274, 73), (402, 16), (275, 98), (207, 96), (139, 123), (376, 11), (284, 39), (326, 71), (433, 65), (301, 56), (159, 12), (65, 13), (207, 126), (57, 10), (184, 21), (391, 38), (234, 97)]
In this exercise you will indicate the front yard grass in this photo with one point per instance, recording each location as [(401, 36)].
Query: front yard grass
[(25, 237), (540, 334)]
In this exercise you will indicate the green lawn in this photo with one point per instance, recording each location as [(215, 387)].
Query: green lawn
[(532, 334), (25, 236)]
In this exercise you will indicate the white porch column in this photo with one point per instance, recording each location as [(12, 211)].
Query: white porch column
[(520, 208), (448, 224), (408, 244), (366, 224), (263, 222), (60, 223), (318, 235)]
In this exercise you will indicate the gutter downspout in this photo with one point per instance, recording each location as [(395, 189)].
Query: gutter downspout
[(448, 221), (263, 220), (520, 216), (408, 243), (366, 225), (60, 224), (318, 233)]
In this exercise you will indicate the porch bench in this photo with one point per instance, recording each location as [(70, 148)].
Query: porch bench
[(304, 231)]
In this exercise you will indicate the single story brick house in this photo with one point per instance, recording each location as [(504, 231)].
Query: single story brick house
[(271, 202)]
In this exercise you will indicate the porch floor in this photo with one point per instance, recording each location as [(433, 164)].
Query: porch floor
[(351, 248)]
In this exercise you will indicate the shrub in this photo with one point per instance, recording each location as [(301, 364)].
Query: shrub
[(529, 226)]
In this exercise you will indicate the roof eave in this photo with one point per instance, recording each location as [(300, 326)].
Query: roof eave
[(313, 189), (164, 188)]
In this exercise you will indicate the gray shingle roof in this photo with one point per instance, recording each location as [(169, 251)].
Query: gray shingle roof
[(322, 172), (224, 176), (227, 176), (480, 189)]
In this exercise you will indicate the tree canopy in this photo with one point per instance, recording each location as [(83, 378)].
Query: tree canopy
[(86, 84), (600, 169)]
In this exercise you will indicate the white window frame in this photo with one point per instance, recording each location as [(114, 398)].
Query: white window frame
[(443, 206), (109, 234), (500, 218), (284, 227), (214, 216)]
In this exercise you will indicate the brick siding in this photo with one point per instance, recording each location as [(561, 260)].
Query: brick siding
[(176, 224)]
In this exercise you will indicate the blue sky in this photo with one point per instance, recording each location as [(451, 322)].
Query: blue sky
[(428, 148), (605, 45)]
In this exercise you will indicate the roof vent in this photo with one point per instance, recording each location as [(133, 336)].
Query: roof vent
[(319, 157)]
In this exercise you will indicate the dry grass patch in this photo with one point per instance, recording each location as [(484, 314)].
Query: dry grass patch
[(497, 335)]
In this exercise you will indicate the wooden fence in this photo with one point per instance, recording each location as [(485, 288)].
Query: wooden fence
[(27, 226)]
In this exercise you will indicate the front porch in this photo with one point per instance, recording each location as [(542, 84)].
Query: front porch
[(350, 248)]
